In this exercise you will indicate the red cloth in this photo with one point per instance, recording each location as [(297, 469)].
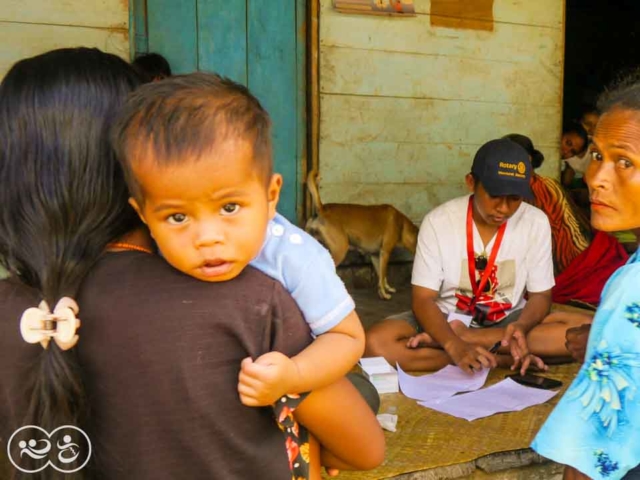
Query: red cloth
[(587, 274)]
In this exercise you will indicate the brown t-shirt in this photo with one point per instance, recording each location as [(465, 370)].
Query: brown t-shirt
[(161, 353)]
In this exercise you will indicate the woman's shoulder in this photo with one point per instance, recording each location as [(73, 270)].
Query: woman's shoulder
[(140, 275)]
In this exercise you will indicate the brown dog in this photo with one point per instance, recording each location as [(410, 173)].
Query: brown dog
[(373, 229)]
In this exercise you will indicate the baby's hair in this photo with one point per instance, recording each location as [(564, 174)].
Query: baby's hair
[(185, 117), (63, 199), (623, 92)]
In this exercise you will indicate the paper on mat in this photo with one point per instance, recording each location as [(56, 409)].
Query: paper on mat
[(440, 385), (504, 396), (466, 319)]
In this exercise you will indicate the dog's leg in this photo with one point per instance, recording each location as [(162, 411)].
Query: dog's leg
[(380, 266), (375, 260), (338, 246), (389, 287), (382, 279)]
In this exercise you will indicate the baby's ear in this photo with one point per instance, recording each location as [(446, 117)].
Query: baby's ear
[(273, 193), (133, 202)]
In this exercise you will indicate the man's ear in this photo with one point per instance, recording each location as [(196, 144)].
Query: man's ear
[(136, 207), (273, 193), (470, 182)]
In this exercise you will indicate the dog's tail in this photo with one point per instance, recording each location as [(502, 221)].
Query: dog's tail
[(313, 190)]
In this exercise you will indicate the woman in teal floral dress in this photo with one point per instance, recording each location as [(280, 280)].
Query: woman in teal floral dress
[(595, 429)]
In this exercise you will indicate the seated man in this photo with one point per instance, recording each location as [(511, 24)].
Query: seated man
[(477, 255)]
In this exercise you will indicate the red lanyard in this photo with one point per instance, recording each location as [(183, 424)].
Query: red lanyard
[(471, 259)]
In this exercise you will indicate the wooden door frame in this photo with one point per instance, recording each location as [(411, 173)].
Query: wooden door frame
[(307, 99), (313, 122)]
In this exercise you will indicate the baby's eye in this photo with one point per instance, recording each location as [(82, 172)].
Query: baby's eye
[(177, 218), (230, 209), (595, 155)]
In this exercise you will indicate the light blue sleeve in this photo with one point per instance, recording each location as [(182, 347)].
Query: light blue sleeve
[(319, 291), (594, 428), (306, 269)]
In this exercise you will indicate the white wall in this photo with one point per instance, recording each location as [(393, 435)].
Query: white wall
[(405, 105), (30, 27)]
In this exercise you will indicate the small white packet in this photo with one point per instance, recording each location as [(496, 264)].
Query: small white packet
[(388, 421)]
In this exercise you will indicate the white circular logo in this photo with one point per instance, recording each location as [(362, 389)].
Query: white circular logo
[(31, 449)]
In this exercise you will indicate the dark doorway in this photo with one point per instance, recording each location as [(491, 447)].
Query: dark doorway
[(602, 40)]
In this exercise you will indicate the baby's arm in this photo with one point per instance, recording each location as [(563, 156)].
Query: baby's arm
[(308, 273), (328, 358), (331, 356)]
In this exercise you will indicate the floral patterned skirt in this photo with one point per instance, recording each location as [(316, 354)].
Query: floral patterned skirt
[(296, 436)]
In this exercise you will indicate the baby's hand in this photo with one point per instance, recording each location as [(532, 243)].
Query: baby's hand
[(263, 381)]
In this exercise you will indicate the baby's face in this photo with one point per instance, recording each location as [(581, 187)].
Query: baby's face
[(208, 216)]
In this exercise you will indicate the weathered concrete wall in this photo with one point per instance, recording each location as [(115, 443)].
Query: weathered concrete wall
[(405, 105), (30, 27)]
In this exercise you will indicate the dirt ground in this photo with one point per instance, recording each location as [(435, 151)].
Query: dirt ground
[(371, 308)]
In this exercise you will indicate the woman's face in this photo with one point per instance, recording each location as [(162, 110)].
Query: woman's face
[(613, 176), (571, 145)]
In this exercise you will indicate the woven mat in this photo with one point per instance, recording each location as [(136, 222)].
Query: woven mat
[(426, 439)]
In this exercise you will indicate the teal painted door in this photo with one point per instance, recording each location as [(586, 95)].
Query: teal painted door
[(258, 43)]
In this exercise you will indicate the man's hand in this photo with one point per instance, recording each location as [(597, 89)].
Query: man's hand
[(263, 381), (576, 343), (470, 357), (515, 338)]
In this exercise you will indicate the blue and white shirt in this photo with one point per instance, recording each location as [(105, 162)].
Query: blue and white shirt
[(308, 273), (595, 426)]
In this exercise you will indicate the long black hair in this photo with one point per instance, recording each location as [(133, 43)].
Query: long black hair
[(63, 198), (525, 142)]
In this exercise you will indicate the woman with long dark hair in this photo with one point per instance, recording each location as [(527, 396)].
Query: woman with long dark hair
[(146, 386)]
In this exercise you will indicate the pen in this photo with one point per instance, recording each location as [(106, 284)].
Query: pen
[(495, 347)]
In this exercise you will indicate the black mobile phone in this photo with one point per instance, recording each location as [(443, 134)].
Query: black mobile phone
[(535, 381)]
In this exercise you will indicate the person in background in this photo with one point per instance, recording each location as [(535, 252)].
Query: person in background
[(589, 119), (477, 255), (573, 149), (152, 67)]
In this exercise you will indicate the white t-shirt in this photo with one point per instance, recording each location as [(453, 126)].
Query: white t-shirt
[(579, 164), (523, 263)]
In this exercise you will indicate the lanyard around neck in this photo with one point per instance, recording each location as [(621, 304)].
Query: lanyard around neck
[(471, 259)]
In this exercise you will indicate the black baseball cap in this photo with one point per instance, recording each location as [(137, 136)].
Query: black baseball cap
[(503, 168)]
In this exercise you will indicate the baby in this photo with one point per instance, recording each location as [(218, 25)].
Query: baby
[(196, 152)]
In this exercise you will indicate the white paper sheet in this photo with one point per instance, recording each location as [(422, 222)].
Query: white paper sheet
[(441, 385), (505, 396)]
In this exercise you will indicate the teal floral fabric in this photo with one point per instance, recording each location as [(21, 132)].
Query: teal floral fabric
[(595, 427)]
